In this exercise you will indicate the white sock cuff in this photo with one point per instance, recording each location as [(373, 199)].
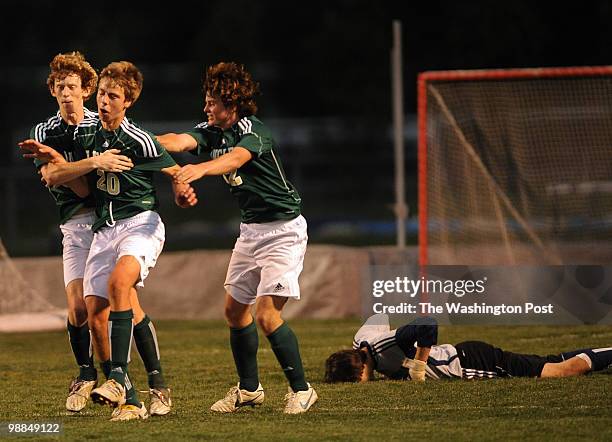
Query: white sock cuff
[(586, 358)]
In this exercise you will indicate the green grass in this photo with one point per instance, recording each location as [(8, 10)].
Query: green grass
[(35, 370)]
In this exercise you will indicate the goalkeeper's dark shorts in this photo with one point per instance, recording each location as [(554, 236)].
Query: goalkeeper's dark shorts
[(481, 360)]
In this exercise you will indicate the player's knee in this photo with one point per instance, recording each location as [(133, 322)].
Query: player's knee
[(572, 367), (235, 318), (118, 287), (575, 366), (267, 322), (79, 313)]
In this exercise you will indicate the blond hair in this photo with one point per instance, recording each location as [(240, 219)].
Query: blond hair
[(126, 76)]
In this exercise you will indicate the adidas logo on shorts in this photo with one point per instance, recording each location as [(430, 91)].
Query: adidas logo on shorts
[(278, 288)]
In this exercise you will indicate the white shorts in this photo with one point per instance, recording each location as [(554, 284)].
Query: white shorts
[(267, 260), (141, 236), (76, 243)]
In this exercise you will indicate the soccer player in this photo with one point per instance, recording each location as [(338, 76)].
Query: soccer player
[(268, 256), (129, 233), (71, 82), (98, 308), (410, 352), (77, 240)]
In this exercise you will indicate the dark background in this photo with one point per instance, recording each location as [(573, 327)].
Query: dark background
[(325, 78)]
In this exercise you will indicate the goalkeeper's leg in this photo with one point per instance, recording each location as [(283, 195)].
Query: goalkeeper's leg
[(578, 362)]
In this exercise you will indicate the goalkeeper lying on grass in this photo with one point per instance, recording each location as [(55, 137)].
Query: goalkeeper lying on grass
[(411, 352)]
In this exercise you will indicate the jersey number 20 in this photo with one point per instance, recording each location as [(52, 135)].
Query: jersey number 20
[(108, 182)]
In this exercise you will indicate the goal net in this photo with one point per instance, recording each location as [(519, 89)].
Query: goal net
[(22, 308), (515, 166)]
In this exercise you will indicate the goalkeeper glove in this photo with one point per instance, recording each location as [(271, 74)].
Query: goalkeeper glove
[(416, 369)]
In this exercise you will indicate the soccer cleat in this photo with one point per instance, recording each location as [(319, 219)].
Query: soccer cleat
[(78, 394), (160, 401), (109, 393), (128, 412), (236, 398), (300, 401)]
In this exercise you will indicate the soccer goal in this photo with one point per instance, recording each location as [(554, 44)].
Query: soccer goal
[(515, 166), (22, 308)]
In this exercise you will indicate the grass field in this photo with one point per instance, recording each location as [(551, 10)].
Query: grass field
[(35, 370)]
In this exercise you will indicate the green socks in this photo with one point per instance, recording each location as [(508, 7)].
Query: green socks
[(130, 394), (131, 398), (285, 346), (244, 343), (121, 339), (105, 366), (80, 341), (146, 343)]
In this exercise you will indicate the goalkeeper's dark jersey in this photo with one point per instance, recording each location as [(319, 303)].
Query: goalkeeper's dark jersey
[(56, 133), (264, 194), (123, 195)]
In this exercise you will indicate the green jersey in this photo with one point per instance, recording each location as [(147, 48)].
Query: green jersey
[(264, 194), (58, 134), (123, 195)]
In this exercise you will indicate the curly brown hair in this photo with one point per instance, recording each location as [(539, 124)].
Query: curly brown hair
[(125, 75), (73, 63), (233, 84), (344, 366)]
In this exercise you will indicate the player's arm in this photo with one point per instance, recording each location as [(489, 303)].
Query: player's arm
[(177, 142), (417, 367), (184, 195), (40, 152), (52, 157), (424, 333), (368, 367), (219, 166), (60, 172), (79, 186)]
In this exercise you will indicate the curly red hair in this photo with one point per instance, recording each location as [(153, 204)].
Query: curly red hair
[(73, 63)]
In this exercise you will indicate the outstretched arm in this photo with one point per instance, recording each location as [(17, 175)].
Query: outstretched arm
[(177, 142), (60, 172), (47, 171), (41, 152), (219, 166), (184, 195)]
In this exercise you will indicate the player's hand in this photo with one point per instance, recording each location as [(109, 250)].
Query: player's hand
[(416, 369), (189, 173), (41, 152), (112, 161), (185, 196)]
